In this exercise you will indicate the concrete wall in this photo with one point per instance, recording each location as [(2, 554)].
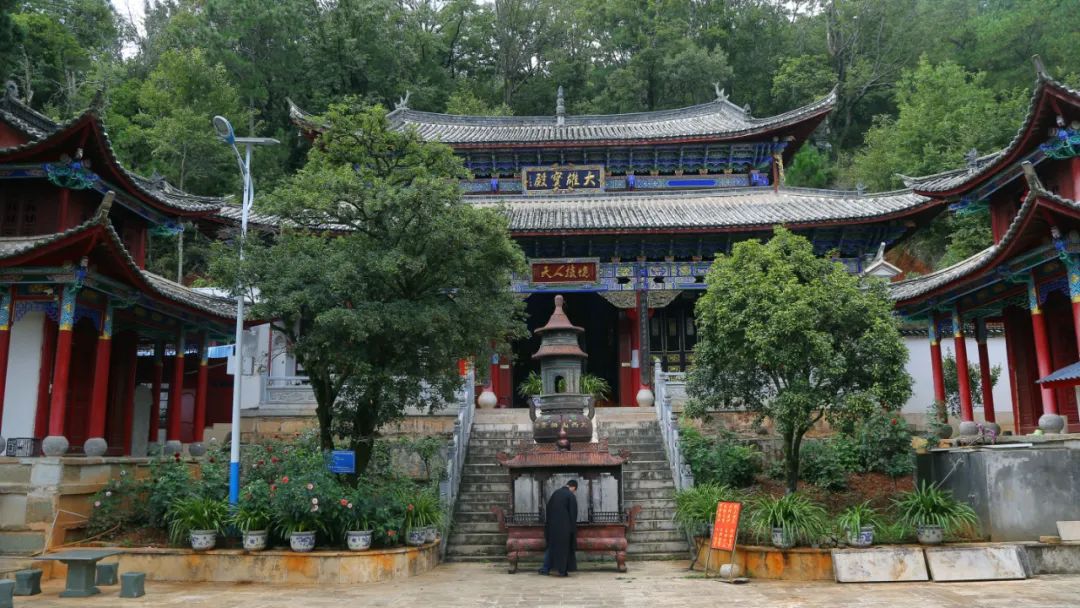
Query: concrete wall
[(922, 396), (1019, 493), (24, 362)]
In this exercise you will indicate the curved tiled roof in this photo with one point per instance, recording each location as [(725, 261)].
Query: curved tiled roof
[(42, 131), (913, 288), (992, 163), (220, 307), (719, 118), (697, 209)]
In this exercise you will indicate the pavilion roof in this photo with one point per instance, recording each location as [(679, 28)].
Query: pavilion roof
[(929, 285), (99, 231), (716, 120), (1044, 106), (44, 134), (1066, 376), (699, 210)]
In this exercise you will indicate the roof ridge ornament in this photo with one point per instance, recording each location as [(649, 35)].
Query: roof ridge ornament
[(746, 109), (971, 157), (1032, 178), (403, 102), (721, 95), (102, 212), (11, 90), (1040, 67), (560, 107)]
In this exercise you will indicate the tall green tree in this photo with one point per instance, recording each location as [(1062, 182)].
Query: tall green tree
[(795, 338), (384, 277)]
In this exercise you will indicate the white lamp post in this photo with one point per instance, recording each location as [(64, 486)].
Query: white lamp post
[(225, 132)]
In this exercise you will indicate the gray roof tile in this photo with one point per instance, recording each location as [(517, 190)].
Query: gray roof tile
[(704, 209)]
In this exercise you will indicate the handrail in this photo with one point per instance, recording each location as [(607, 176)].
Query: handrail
[(458, 447), (669, 429)]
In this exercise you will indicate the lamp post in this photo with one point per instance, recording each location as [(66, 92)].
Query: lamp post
[(225, 132)]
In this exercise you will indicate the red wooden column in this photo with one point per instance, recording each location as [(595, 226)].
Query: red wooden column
[(5, 343), (1050, 421), (200, 390), (55, 444), (95, 443), (963, 381), (935, 366), (1072, 270), (155, 390), (176, 396), (984, 374)]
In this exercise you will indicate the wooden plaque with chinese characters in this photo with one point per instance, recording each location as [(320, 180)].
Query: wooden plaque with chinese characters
[(562, 179), (564, 271), (726, 526)]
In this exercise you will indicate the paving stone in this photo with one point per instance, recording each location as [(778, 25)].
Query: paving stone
[(879, 565), (979, 563)]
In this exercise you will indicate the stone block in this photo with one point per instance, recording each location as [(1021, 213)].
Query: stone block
[(106, 573), (879, 565), (28, 582), (7, 590), (132, 584), (976, 563), (1069, 531), (12, 510)]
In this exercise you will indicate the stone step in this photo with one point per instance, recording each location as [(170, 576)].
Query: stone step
[(476, 527), (21, 542), (10, 565), (631, 486), (645, 474), (490, 551), (478, 538), (676, 547), (474, 516), (640, 495), (471, 487), (647, 536), (650, 525)]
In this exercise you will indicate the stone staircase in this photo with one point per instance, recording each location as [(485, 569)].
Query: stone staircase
[(647, 482)]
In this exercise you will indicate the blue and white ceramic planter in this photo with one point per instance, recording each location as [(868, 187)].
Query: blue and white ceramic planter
[(864, 538), (431, 534), (416, 537), (358, 540), (201, 540), (930, 535), (782, 539), (302, 542), (255, 540)]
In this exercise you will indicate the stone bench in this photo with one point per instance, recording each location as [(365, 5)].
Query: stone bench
[(28, 582), (133, 584), (106, 574), (7, 590)]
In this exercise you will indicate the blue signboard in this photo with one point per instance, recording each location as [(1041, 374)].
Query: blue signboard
[(342, 461)]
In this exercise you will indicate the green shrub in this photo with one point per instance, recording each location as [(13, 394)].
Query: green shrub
[(826, 463), (883, 443), (721, 461), (852, 519), (695, 508)]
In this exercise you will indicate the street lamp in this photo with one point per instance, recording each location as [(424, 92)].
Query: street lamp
[(225, 132)]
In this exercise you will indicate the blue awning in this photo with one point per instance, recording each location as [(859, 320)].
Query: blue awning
[(1066, 376)]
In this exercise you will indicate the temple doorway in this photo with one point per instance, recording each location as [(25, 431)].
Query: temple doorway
[(600, 339)]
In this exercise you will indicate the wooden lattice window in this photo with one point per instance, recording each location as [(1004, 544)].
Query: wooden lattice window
[(19, 217)]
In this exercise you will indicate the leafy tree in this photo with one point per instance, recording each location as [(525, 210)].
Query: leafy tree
[(795, 338), (383, 277), (464, 101), (952, 383), (810, 168), (943, 112)]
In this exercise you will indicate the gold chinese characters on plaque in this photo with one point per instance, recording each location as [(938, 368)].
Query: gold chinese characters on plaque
[(562, 179), (564, 271)]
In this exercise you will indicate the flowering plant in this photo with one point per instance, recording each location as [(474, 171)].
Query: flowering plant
[(354, 511), (297, 506)]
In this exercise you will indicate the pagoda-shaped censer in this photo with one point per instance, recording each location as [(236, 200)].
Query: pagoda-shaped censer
[(563, 449), (561, 413)]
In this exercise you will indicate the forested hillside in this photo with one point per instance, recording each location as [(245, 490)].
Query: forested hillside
[(920, 82)]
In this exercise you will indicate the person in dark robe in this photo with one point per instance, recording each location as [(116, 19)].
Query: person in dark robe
[(560, 531)]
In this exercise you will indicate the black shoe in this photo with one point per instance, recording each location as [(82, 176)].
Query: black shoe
[(542, 572), (563, 574)]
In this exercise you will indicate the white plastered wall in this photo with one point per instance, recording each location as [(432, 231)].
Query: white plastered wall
[(23, 371)]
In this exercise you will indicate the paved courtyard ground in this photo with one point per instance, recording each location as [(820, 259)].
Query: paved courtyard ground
[(648, 584)]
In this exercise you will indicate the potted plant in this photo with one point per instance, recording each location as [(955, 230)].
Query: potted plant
[(695, 507), (858, 523), (787, 520), (252, 515), (198, 519), (427, 515), (296, 512), (354, 517), (934, 512)]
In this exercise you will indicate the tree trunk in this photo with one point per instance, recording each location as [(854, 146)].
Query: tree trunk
[(792, 443), (324, 402)]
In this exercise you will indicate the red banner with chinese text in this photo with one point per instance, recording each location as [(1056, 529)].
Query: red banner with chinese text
[(726, 526), (564, 272)]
